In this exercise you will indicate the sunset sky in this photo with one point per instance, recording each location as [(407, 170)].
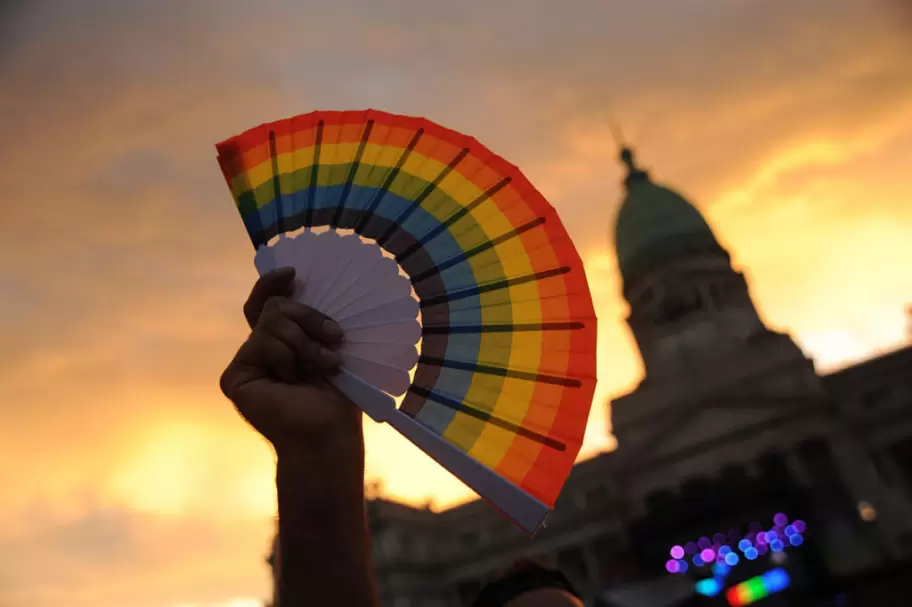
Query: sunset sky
[(128, 480)]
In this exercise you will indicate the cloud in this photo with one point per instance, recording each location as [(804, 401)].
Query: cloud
[(112, 557)]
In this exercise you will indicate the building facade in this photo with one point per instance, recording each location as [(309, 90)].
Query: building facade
[(730, 428)]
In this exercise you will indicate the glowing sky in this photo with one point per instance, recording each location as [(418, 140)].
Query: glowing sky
[(126, 477)]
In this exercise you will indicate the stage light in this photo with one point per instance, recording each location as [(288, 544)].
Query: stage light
[(707, 555), (750, 554), (756, 588), (708, 587), (672, 566), (721, 570), (744, 545), (698, 560), (682, 566), (690, 548), (723, 550), (718, 538), (731, 559), (704, 543), (790, 530), (761, 537), (771, 536), (800, 527), (677, 552), (776, 546), (796, 539), (780, 520)]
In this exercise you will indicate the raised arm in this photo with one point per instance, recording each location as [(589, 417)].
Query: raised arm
[(277, 382)]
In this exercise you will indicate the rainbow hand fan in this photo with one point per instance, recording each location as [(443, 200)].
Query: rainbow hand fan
[(407, 233)]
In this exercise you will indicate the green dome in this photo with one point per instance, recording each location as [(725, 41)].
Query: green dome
[(655, 225)]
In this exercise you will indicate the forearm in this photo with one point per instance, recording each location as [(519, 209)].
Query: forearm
[(325, 547)]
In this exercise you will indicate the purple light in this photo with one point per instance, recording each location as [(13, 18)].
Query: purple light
[(677, 552), (761, 537), (718, 538), (755, 527), (762, 548), (771, 536), (731, 559), (785, 541), (751, 537), (672, 566), (707, 555), (781, 520), (690, 548), (704, 543), (697, 560), (733, 535), (799, 526)]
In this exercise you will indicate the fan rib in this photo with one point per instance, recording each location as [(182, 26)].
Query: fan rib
[(479, 249), (445, 225), (315, 169), (276, 184), (502, 328), (343, 197), (387, 182), (493, 286), (462, 365), (427, 191), (487, 417)]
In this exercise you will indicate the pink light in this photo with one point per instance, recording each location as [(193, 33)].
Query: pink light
[(677, 552), (761, 537), (672, 566), (707, 555)]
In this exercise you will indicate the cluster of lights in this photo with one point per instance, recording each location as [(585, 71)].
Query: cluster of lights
[(748, 591), (756, 543)]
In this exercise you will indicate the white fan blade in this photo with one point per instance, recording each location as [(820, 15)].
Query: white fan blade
[(396, 355), (265, 260), (351, 257), (406, 332), (392, 290), (392, 380), (368, 279), (401, 309)]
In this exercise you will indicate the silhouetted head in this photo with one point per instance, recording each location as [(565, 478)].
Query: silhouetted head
[(528, 583)]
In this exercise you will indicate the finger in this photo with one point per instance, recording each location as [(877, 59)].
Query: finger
[(316, 324), (309, 353), (277, 283), (272, 355)]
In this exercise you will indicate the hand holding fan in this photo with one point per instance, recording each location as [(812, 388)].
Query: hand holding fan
[(387, 218)]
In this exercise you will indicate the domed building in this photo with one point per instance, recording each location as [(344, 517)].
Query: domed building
[(732, 441)]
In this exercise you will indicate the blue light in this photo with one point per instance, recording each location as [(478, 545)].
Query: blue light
[(682, 565), (796, 539), (724, 550), (698, 560), (776, 546), (708, 587), (750, 554), (771, 535), (744, 545), (776, 580), (721, 569), (731, 559), (789, 530)]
